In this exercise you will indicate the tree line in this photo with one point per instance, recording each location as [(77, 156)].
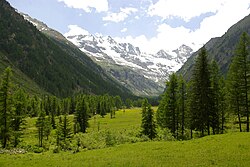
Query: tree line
[(202, 104), (52, 113)]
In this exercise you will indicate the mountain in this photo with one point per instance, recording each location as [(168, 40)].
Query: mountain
[(53, 63), (143, 74), (139, 71), (220, 49)]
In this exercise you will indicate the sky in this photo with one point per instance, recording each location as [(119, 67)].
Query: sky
[(149, 24)]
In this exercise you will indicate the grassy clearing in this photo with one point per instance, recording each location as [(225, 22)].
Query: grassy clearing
[(231, 149)]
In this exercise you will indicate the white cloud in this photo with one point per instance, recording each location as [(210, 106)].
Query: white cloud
[(124, 30), (228, 12), (186, 9), (121, 16), (87, 5), (76, 30)]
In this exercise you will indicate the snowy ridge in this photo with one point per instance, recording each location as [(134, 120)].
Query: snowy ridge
[(143, 73), (156, 66)]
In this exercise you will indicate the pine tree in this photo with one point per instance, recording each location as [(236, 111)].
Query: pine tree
[(81, 116), (168, 113), (5, 107), (239, 73), (182, 104), (64, 132), (216, 90), (47, 127), (19, 112), (40, 124), (201, 95), (148, 123)]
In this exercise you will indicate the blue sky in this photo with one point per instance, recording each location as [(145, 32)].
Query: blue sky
[(149, 24)]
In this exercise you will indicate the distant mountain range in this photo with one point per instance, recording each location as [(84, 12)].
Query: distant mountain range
[(65, 65), (151, 69), (142, 73)]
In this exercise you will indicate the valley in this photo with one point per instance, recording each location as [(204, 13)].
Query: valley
[(148, 90)]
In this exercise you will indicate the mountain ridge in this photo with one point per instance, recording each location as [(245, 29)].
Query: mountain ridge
[(61, 72), (221, 49)]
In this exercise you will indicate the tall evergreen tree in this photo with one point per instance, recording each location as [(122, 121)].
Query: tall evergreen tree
[(19, 113), (5, 107), (201, 98), (81, 116), (148, 123), (216, 90), (40, 124), (239, 74), (182, 104), (64, 132), (167, 113)]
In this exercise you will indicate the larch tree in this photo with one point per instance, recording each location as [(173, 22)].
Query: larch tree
[(239, 78), (81, 116), (201, 95), (18, 117), (148, 123), (5, 107)]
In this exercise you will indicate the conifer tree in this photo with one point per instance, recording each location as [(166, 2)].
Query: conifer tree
[(239, 74), (40, 124), (201, 95), (81, 116), (19, 112), (64, 132), (5, 107), (182, 103), (168, 113), (148, 123), (216, 97)]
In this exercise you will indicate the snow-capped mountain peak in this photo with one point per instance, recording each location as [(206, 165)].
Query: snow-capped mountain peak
[(153, 66)]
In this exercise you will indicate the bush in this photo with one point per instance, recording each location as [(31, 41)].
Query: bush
[(38, 149)]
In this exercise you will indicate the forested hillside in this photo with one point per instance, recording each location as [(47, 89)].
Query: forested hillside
[(220, 49), (56, 67)]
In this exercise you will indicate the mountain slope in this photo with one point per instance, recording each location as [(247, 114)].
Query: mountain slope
[(220, 49), (19, 78), (142, 73), (45, 62), (149, 70)]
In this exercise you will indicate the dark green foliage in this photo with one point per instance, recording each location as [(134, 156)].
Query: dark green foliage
[(172, 108), (118, 102), (5, 108), (18, 117), (201, 95), (218, 95), (40, 124), (182, 105), (64, 132), (128, 103), (148, 123), (238, 80), (81, 116)]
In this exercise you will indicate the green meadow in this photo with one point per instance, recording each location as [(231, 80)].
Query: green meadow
[(231, 149)]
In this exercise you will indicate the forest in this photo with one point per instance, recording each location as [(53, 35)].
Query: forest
[(203, 105)]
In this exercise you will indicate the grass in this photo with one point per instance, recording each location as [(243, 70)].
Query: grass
[(231, 149)]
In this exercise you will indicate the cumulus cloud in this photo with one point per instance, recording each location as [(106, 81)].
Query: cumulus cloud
[(121, 16), (227, 13), (183, 8), (75, 30), (87, 5)]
